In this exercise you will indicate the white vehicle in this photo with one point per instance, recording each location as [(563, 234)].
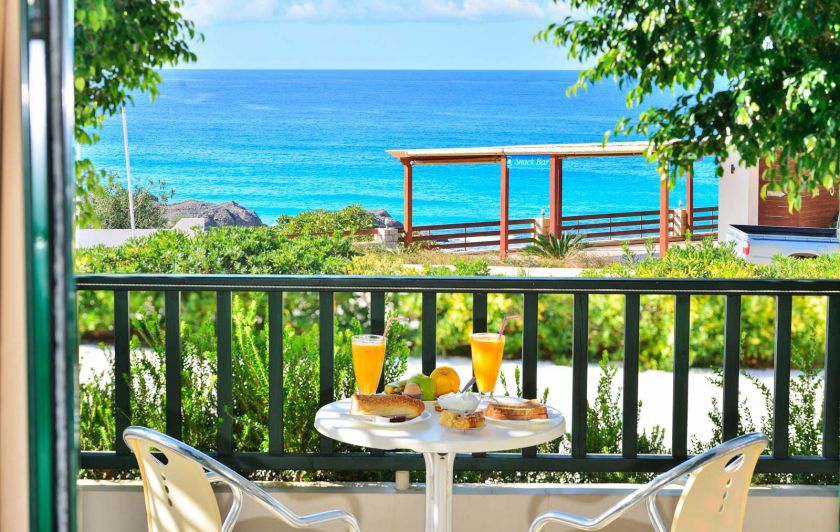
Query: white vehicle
[(760, 243)]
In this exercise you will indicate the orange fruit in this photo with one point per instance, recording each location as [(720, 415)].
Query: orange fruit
[(446, 380)]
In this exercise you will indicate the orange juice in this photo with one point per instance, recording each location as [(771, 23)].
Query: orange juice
[(486, 359), (368, 359)]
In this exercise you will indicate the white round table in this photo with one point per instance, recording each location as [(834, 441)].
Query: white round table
[(438, 444)]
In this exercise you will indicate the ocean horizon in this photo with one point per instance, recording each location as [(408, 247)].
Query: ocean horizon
[(285, 141)]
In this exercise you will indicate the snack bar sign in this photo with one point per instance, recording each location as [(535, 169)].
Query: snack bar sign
[(528, 162)]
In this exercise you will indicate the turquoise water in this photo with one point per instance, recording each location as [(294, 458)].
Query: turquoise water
[(286, 141)]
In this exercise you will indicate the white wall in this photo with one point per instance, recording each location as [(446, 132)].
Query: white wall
[(477, 508), (737, 195), (88, 238)]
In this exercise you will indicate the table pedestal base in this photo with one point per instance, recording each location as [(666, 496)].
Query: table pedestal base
[(439, 491)]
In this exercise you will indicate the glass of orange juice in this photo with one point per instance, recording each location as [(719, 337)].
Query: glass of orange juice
[(486, 360), (368, 358)]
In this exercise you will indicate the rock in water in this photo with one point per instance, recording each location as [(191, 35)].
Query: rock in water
[(384, 219), (215, 215)]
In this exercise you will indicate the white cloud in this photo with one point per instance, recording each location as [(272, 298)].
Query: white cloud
[(205, 12)]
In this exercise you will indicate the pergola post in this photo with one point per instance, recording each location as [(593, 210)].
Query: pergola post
[(555, 192), (689, 197), (407, 201), (663, 214), (504, 208)]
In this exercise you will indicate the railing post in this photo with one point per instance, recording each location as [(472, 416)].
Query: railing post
[(173, 363), (580, 359), (122, 368), (731, 365), (630, 409), (326, 358), (682, 322), (530, 335), (224, 373), (781, 377), (275, 373), (377, 324), (429, 325), (831, 408)]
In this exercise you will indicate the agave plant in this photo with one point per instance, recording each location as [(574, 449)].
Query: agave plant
[(556, 247)]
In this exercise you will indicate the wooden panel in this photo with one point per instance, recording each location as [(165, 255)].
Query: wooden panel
[(818, 211)]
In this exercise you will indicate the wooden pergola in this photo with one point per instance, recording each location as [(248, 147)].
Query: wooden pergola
[(556, 153)]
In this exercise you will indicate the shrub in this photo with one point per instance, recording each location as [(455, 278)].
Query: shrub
[(250, 378), (474, 268), (556, 247), (352, 218), (110, 206), (251, 250), (805, 421)]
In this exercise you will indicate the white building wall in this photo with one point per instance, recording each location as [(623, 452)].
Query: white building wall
[(88, 238), (737, 195)]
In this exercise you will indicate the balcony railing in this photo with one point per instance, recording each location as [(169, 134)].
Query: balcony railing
[(779, 461), (597, 229)]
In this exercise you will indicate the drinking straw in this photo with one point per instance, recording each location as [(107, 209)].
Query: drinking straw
[(504, 322)]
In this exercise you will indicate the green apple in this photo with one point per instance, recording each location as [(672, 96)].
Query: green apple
[(426, 384)]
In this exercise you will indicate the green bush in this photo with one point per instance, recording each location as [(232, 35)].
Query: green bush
[(110, 206), (556, 247), (233, 250), (805, 422), (352, 218), (250, 378)]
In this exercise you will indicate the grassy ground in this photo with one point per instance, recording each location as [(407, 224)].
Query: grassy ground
[(593, 258)]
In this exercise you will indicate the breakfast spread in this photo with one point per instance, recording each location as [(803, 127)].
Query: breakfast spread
[(509, 411), (390, 406)]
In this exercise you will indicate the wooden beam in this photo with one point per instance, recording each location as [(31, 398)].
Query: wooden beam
[(555, 192), (407, 201), (504, 208), (689, 197), (663, 214)]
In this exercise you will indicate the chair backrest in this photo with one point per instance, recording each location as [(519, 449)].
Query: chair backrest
[(715, 496), (179, 497)]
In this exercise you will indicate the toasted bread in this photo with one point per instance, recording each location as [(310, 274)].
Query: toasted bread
[(386, 406), (517, 411)]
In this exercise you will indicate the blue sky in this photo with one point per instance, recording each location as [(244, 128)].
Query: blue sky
[(376, 34)]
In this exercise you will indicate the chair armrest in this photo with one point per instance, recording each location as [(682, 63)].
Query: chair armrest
[(320, 518), (611, 514)]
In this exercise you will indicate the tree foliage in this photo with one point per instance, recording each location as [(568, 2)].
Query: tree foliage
[(111, 207), (119, 47), (758, 77)]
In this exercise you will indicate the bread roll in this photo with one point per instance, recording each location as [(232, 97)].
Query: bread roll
[(386, 406), (459, 421)]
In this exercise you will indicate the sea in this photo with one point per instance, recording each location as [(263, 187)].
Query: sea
[(285, 141)]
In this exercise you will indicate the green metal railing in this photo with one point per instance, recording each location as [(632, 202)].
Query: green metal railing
[(779, 461)]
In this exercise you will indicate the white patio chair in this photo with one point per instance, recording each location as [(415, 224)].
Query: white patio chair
[(179, 494), (714, 497)]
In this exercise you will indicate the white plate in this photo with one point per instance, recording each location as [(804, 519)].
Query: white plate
[(380, 421), (554, 416)]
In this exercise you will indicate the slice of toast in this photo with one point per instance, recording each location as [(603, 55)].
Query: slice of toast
[(517, 411)]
